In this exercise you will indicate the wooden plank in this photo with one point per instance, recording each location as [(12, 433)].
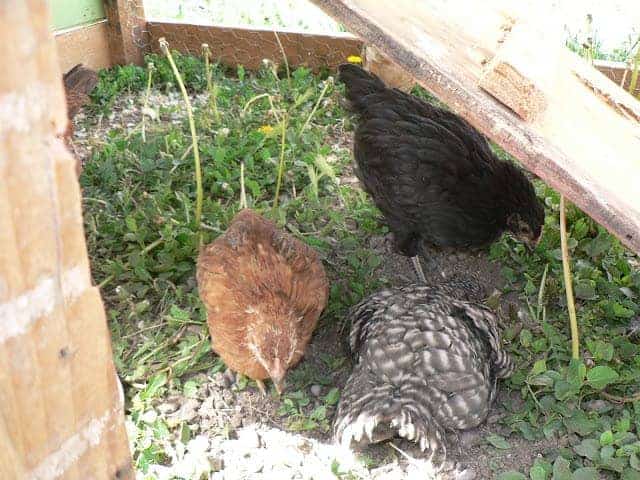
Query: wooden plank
[(616, 71), (88, 45), (584, 142), (127, 31), (61, 412), (249, 46)]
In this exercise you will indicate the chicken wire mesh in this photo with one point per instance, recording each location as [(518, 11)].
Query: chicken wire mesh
[(139, 32)]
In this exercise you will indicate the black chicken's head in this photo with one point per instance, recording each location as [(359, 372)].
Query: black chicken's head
[(526, 217), (526, 226)]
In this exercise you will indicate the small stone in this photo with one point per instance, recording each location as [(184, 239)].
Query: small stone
[(282, 472), (253, 464), (216, 464), (235, 421), (467, 474), (167, 407), (206, 408), (249, 437), (219, 404), (316, 390), (227, 396), (389, 472), (149, 416), (187, 411), (633, 329), (207, 424), (470, 438), (293, 457), (495, 418), (523, 316), (221, 380), (150, 112)]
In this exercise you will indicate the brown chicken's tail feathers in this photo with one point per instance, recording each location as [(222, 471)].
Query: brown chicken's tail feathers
[(80, 79), (378, 415), (359, 83)]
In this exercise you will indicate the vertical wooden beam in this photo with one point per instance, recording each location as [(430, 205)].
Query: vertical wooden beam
[(127, 31), (61, 409)]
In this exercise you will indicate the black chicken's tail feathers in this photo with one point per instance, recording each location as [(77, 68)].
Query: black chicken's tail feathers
[(359, 83), (370, 413)]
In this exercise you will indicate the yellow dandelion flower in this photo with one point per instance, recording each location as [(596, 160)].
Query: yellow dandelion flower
[(354, 59), (266, 129)]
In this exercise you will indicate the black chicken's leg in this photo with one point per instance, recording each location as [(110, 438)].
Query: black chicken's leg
[(407, 243), (417, 267)]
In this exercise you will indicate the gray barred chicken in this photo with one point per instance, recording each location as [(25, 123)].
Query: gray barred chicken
[(428, 361)]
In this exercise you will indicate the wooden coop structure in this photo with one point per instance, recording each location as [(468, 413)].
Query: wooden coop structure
[(61, 407)]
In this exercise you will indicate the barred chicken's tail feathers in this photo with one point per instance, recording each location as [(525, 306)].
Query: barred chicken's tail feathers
[(358, 85), (370, 413), (485, 322)]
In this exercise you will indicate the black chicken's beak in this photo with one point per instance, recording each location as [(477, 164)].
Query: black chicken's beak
[(532, 243), (537, 240)]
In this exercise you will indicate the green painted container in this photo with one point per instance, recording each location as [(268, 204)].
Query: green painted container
[(71, 13)]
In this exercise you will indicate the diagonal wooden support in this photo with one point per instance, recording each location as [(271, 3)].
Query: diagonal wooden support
[(509, 75)]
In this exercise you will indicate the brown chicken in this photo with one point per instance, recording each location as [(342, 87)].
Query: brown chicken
[(264, 291), (78, 84)]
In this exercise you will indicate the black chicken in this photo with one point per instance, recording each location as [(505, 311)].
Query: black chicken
[(432, 174), (428, 361)]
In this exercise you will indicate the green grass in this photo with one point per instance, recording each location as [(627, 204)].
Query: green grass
[(139, 206), (556, 390)]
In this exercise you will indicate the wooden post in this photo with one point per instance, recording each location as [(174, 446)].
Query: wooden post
[(127, 31), (61, 408)]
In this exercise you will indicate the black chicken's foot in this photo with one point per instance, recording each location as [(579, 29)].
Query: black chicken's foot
[(417, 267)]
